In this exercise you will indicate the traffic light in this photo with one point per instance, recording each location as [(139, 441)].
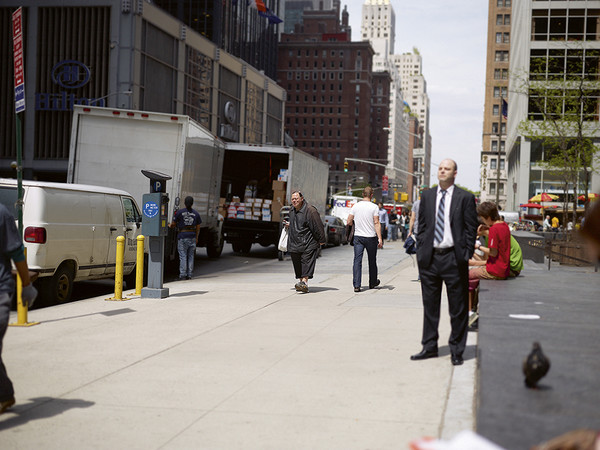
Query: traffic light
[(395, 196), (345, 166)]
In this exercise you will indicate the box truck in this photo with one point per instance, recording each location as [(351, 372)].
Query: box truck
[(257, 182), (110, 147)]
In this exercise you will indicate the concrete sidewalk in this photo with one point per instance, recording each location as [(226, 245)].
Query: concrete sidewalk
[(240, 360)]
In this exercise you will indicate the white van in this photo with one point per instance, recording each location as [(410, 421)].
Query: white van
[(70, 232)]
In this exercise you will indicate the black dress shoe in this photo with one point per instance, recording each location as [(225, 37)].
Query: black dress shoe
[(357, 289), (457, 360), (424, 354), (377, 283)]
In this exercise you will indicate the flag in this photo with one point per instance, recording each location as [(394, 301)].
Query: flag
[(504, 109), (257, 4), (268, 14)]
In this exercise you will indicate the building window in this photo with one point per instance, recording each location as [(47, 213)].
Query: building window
[(495, 110), (506, 38), (498, 20), (501, 166), (495, 128), (492, 188), (498, 38), (493, 161), (507, 19)]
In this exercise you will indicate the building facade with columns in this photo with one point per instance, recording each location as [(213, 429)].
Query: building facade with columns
[(130, 55)]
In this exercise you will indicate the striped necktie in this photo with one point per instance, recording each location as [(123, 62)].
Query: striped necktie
[(439, 221)]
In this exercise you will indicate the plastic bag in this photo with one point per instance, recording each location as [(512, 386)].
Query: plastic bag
[(283, 240)]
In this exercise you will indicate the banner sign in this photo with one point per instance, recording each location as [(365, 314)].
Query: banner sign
[(17, 21)]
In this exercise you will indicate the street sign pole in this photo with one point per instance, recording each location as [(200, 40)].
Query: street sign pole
[(19, 72)]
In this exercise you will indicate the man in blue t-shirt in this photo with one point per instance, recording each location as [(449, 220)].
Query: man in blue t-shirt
[(187, 221)]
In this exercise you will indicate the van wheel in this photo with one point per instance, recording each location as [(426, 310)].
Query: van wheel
[(59, 287)]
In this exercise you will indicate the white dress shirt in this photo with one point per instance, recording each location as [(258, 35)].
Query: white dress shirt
[(448, 241)]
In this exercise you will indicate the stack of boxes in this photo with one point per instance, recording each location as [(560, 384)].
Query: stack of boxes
[(278, 199), (257, 208)]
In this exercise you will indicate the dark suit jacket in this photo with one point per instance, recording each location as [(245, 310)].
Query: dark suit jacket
[(463, 223)]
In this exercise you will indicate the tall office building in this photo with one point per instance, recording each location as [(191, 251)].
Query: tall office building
[(493, 152), (292, 11), (414, 90), (234, 26), (129, 55), (378, 24), (554, 44), (334, 101)]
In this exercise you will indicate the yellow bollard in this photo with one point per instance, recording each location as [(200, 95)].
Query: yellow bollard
[(21, 308), (139, 266), (119, 269)]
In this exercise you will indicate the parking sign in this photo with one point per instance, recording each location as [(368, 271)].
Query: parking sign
[(17, 21)]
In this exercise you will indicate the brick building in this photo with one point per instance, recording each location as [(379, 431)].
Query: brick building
[(330, 96)]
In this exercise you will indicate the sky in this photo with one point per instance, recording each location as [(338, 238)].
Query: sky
[(452, 40)]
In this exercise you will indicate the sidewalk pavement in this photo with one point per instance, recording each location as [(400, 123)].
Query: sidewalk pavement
[(240, 360)]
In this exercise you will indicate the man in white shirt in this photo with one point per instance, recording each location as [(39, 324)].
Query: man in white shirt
[(367, 235)]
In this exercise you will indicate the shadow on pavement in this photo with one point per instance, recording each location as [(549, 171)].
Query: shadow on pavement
[(39, 408)]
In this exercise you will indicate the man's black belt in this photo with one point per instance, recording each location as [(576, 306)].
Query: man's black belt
[(188, 229), (443, 251)]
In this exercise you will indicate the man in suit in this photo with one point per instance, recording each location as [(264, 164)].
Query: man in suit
[(445, 242)]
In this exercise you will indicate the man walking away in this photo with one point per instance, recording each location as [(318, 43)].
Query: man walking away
[(11, 247), (384, 221), (187, 221), (367, 235), (306, 235), (445, 242)]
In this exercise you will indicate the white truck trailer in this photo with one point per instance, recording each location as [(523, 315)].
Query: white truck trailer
[(257, 182), (109, 147)]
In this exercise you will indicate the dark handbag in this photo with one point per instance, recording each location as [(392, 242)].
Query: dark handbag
[(350, 233), (410, 245)]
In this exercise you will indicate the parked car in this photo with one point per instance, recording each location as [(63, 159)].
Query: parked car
[(335, 231)]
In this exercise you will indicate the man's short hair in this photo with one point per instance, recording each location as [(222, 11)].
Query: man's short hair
[(367, 192), (489, 210)]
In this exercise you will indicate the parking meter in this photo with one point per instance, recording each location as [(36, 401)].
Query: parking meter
[(155, 223)]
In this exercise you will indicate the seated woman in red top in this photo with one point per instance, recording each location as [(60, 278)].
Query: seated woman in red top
[(497, 265)]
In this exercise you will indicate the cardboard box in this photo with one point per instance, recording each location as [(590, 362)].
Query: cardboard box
[(275, 216), (278, 185), (266, 217)]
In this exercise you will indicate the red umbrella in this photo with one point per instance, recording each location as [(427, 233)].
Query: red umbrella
[(591, 196), (531, 205), (543, 197)]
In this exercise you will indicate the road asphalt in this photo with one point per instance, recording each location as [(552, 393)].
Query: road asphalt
[(239, 359)]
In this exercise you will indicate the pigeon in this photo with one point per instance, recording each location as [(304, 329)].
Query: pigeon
[(535, 366)]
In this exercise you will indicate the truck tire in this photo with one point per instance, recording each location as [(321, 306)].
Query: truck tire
[(245, 247), (214, 247), (59, 287)]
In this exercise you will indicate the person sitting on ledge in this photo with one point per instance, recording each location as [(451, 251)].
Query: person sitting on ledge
[(495, 264)]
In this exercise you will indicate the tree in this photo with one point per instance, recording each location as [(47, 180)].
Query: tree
[(563, 113)]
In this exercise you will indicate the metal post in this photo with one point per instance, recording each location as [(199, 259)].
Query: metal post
[(139, 266), (119, 270)]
